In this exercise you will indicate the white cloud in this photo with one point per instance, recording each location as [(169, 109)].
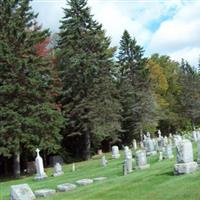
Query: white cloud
[(179, 36), (168, 27)]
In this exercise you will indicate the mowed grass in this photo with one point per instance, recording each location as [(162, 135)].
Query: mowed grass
[(155, 183)]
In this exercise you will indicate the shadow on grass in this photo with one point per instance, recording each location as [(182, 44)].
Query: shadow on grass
[(169, 173)]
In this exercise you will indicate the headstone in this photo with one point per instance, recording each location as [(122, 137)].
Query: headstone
[(165, 141), (134, 145), (86, 181), (115, 152), (104, 162), (168, 152), (150, 148), (58, 170), (55, 159), (31, 167), (73, 167), (185, 163), (125, 171), (39, 167), (160, 155), (126, 149), (159, 133), (99, 152), (141, 160), (66, 187), (44, 192), (177, 140), (141, 145), (100, 178), (21, 192), (129, 161), (198, 146), (195, 135)]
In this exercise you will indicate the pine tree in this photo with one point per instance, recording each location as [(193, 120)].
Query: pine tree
[(89, 100), (189, 95), (134, 85), (29, 118)]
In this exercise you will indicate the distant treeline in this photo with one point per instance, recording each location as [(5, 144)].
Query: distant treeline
[(73, 94)]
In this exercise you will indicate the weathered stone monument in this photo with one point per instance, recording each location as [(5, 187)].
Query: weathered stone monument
[(44, 192), (125, 172), (160, 156), (194, 135), (73, 167), (168, 152), (150, 148), (85, 181), (58, 170), (115, 152), (198, 146), (134, 144), (185, 163), (39, 167), (21, 192), (66, 187), (141, 160), (129, 161), (104, 162)]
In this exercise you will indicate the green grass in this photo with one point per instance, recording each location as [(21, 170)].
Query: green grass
[(155, 183)]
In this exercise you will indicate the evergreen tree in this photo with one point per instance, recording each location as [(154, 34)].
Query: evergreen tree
[(29, 118), (89, 99), (190, 93), (136, 96)]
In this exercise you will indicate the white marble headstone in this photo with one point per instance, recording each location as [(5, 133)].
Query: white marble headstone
[(39, 167)]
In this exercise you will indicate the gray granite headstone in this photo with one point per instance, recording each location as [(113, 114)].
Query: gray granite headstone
[(58, 170), (21, 192), (86, 181), (168, 152), (104, 162), (44, 192), (115, 152), (66, 187), (102, 178), (184, 155), (141, 160)]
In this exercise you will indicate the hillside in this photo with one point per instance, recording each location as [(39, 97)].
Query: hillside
[(155, 183)]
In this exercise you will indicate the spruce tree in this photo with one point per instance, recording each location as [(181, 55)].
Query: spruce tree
[(189, 94), (29, 118), (89, 99), (134, 85)]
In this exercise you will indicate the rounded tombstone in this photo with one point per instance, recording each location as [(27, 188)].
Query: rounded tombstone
[(141, 159)]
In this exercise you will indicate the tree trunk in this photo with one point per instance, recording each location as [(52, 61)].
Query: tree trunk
[(16, 165), (87, 154)]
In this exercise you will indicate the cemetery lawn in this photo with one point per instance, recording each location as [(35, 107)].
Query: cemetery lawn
[(155, 183)]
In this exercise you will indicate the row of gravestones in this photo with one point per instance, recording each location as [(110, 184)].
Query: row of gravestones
[(184, 156), (24, 192)]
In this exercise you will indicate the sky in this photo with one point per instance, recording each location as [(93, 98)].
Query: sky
[(167, 27)]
